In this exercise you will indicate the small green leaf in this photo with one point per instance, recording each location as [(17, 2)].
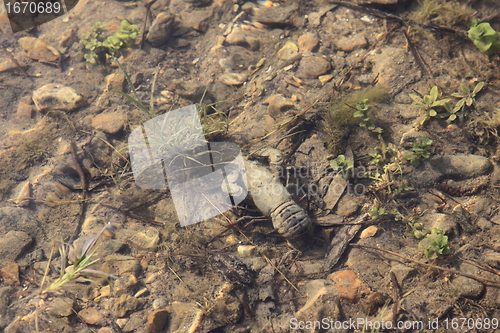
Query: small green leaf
[(432, 113), (428, 99), (441, 102), (434, 94), (465, 89), (478, 88), (415, 98), (460, 103), (451, 118)]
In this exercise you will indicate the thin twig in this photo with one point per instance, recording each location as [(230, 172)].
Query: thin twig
[(84, 185), (177, 276), (470, 276), (132, 215), (416, 54), (475, 263)]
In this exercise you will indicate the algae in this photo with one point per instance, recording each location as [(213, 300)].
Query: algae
[(339, 115)]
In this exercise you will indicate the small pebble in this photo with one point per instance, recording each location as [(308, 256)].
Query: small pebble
[(308, 42), (368, 232), (237, 36), (10, 274), (110, 123), (160, 303), (233, 79), (157, 321), (348, 44), (55, 96), (24, 111), (92, 316), (348, 285), (38, 49), (246, 250), (312, 67), (289, 52), (161, 29)]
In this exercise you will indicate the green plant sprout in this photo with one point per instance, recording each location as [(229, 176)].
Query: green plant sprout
[(435, 244), (99, 45), (377, 213), (215, 123), (419, 151), (431, 104), (81, 263), (486, 39), (467, 98), (341, 163), (362, 109)]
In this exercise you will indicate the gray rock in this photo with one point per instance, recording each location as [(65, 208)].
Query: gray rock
[(484, 224), (160, 303), (56, 97), (125, 303), (466, 287), (5, 294), (14, 218), (312, 67), (92, 316), (423, 176), (161, 29), (446, 223), (458, 166), (13, 244), (61, 306), (462, 166), (276, 16), (157, 321)]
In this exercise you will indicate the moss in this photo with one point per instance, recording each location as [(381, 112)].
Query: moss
[(339, 115), (442, 13), (32, 150)]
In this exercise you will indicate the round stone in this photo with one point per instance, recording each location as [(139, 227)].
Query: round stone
[(110, 123)]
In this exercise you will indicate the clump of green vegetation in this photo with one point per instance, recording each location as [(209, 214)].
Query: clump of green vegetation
[(214, 122), (435, 244), (431, 104), (419, 151), (467, 98), (362, 109), (339, 115), (341, 163), (442, 13), (81, 261), (486, 39), (377, 213), (98, 44)]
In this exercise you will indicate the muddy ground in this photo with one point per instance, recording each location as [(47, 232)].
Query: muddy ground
[(283, 75)]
